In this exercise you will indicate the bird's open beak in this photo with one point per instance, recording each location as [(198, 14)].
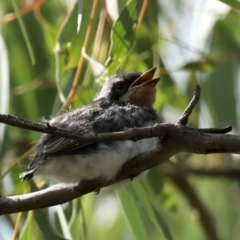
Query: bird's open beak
[(142, 92), (146, 79)]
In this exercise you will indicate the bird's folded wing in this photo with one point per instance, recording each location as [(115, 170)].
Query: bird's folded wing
[(112, 119), (59, 144), (56, 145)]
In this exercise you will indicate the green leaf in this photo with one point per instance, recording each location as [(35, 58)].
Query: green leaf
[(155, 217), (132, 214), (77, 225), (232, 3), (27, 230), (165, 229), (71, 35), (77, 42), (68, 30), (24, 32), (123, 35), (221, 84), (42, 219), (229, 38), (63, 222)]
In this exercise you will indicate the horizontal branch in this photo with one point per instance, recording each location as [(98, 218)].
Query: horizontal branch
[(157, 130), (176, 139), (139, 133), (173, 139)]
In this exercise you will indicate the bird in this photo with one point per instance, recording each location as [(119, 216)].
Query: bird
[(125, 101)]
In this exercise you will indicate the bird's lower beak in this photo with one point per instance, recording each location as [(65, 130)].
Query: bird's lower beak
[(142, 92), (146, 79)]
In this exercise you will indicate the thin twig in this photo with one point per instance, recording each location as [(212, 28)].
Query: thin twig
[(15, 233), (99, 33), (142, 13), (183, 120)]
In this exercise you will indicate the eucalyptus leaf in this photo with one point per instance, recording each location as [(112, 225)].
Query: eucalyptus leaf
[(123, 35), (132, 215)]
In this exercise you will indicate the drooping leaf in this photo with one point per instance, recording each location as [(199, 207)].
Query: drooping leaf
[(123, 35), (132, 215), (155, 217), (24, 32)]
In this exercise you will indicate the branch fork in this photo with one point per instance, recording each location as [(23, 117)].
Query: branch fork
[(174, 139)]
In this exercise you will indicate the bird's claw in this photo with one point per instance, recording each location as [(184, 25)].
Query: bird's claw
[(97, 191), (131, 177)]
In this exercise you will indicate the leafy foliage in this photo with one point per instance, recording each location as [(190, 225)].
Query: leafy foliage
[(189, 43)]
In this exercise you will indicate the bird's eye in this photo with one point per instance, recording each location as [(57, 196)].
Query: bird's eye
[(120, 87)]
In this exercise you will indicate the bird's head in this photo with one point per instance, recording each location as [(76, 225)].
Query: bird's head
[(133, 87)]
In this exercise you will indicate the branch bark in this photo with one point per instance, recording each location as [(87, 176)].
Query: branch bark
[(183, 120), (176, 139), (173, 139)]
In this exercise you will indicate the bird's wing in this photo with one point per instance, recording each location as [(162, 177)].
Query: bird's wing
[(78, 121), (94, 119)]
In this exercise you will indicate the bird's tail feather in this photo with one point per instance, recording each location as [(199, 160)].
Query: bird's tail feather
[(28, 174), (216, 130)]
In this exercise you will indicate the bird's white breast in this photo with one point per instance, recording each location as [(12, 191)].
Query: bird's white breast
[(104, 163)]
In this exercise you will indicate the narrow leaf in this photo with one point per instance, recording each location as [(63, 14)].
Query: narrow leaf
[(123, 35), (24, 32), (155, 217), (132, 214)]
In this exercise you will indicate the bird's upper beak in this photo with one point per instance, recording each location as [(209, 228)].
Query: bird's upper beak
[(142, 92), (146, 80)]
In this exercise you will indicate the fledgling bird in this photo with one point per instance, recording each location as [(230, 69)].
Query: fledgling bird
[(125, 101)]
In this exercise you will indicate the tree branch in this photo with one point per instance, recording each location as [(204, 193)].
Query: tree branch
[(176, 139), (136, 133), (173, 139), (139, 133), (183, 120)]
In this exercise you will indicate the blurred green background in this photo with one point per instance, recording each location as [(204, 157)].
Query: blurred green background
[(46, 46)]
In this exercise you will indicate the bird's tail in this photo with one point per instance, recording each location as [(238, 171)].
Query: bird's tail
[(28, 174), (216, 130)]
